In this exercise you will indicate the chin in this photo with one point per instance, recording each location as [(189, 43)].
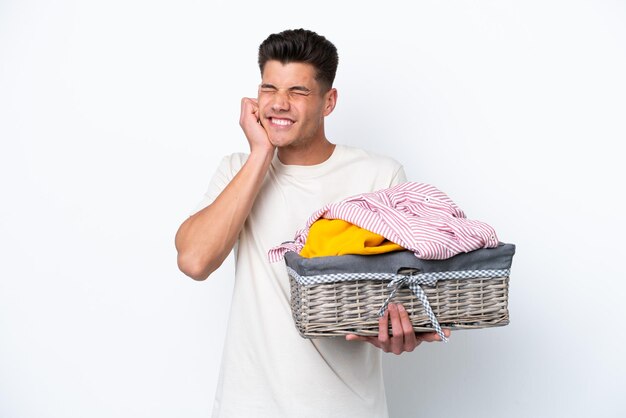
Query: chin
[(281, 142)]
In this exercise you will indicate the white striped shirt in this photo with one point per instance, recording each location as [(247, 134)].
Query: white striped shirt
[(416, 216)]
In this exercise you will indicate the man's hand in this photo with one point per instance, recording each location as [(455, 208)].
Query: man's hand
[(249, 120), (404, 339)]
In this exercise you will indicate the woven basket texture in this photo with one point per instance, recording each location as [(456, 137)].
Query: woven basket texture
[(351, 307)]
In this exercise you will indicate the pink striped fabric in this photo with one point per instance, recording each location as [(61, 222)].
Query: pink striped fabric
[(416, 216)]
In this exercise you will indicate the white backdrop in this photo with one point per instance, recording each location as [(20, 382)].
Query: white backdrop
[(113, 116)]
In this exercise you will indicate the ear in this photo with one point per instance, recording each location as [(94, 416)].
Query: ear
[(330, 101)]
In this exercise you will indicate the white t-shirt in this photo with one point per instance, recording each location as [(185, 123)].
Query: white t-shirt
[(268, 369)]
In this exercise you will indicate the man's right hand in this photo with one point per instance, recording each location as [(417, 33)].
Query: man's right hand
[(250, 122)]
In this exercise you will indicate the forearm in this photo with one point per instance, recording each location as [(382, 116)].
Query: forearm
[(205, 239)]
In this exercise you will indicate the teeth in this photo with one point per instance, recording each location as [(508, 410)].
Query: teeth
[(282, 122)]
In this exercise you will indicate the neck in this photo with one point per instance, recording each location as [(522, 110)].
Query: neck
[(310, 154)]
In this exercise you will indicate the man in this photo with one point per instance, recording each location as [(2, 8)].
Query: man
[(257, 201)]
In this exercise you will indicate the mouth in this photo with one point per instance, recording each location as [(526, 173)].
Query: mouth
[(281, 122)]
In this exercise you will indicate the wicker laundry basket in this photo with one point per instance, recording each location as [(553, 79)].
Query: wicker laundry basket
[(333, 296)]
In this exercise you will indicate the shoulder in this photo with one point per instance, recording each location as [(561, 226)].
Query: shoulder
[(368, 160), (228, 167), (360, 155), (384, 171), (232, 163)]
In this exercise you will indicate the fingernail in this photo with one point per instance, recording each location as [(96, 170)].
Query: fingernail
[(401, 308)]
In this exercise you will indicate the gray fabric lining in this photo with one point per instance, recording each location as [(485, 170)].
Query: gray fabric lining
[(499, 258)]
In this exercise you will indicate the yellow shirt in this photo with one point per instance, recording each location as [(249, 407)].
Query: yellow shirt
[(329, 237)]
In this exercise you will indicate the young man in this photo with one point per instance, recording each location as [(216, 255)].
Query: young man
[(259, 200)]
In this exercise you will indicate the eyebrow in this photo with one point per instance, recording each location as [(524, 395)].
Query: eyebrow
[(293, 88)]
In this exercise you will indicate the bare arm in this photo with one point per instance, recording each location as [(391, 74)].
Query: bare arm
[(205, 239)]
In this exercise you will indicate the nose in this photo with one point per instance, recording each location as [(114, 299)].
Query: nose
[(280, 101)]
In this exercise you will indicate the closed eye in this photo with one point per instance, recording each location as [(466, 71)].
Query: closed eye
[(301, 91), (292, 91)]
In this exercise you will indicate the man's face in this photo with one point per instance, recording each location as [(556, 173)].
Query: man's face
[(291, 104)]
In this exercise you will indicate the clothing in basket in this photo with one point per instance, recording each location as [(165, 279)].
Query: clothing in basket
[(337, 237), (416, 216)]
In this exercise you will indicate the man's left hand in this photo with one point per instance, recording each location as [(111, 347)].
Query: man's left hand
[(403, 338)]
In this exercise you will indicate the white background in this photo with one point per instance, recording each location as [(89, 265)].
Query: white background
[(114, 115)]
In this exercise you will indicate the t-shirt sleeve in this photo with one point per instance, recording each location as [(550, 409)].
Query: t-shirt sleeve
[(226, 171)]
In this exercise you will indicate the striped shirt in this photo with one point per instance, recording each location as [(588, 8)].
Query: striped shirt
[(416, 216)]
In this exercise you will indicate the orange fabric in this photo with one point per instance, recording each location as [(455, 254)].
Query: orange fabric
[(329, 237)]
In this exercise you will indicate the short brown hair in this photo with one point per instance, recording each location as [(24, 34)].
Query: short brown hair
[(301, 45)]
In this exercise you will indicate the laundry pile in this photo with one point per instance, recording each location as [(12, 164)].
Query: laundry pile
[(415, 216)]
